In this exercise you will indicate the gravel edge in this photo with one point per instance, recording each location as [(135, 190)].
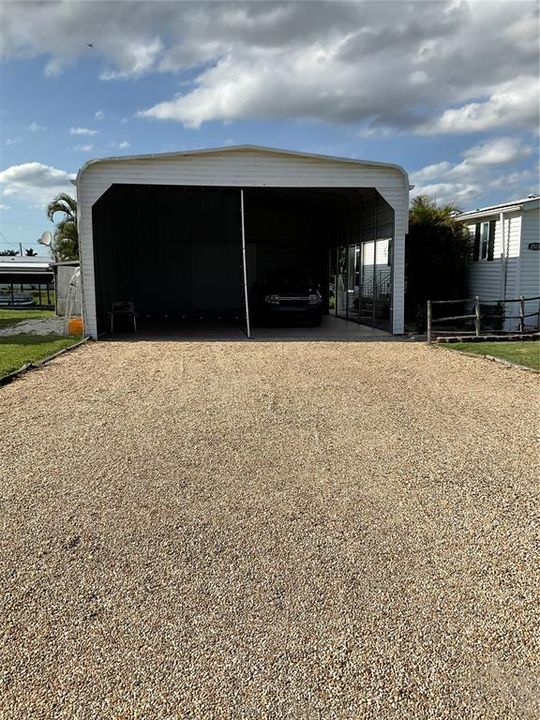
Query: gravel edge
[(6, 379), (499, 360)]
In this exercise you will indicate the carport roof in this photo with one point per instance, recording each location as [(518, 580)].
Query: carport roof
[(239, 148)]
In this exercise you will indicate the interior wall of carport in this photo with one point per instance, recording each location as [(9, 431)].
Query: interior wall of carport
[(172, 250), (292, 229)]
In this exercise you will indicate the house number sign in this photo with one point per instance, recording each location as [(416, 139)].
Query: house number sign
[(534, 246)]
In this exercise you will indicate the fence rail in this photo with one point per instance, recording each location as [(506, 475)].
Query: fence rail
[(477, 316)]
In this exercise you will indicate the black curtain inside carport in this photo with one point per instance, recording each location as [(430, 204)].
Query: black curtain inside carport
[(172, 250)]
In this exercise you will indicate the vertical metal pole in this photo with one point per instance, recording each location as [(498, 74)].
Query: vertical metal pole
[(12, 297), (374, 315), (336, 280), (39, 293), (521, 314), (244, 264), (429, 321), (477, 316), (48, 294), (374, 312)]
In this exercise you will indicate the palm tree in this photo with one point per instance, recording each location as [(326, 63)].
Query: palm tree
[(65, 245)]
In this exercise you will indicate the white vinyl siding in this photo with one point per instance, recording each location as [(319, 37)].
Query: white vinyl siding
[(486, 277), (515, 269), (241, 168)]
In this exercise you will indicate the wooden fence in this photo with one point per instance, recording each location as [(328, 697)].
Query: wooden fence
[(476, 315)]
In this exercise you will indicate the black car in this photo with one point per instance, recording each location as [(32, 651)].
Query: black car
[(288, 297)]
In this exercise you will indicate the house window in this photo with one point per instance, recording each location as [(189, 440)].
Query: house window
[(484, 241)]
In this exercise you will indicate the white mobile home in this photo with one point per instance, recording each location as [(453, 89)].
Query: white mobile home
[(506, 255), (188, 234)]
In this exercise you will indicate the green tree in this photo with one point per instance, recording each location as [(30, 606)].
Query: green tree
[(438, 251), (65, 244), (8, 253)]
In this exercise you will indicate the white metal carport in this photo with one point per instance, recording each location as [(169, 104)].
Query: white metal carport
[(243, 168)]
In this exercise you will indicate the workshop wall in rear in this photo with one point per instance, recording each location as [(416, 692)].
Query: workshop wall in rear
[(172, 251)]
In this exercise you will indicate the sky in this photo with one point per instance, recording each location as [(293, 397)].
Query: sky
[(447, 89)]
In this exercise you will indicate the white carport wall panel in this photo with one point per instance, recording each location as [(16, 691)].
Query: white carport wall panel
[(241, 167)]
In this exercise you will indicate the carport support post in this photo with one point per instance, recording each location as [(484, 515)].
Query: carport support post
[(244, 264), (477, 316)]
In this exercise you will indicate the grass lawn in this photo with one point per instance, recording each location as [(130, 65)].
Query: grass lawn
[(12, 317), (17, 350), (523, 353)]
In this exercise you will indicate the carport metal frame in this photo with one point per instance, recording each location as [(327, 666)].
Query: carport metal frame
[(243, 166)]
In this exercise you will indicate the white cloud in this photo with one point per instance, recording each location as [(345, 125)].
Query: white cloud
[(513, 103), (461, 194), (140, 58), (497, 151), (380, 66), (99, 115), (4, 207), (123, 145), (82, 131), (13, 141), (431, 172), (83, 148), (35, 127), (34, 182), (484, 167)]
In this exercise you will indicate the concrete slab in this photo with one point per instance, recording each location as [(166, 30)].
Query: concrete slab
[(331, 329)]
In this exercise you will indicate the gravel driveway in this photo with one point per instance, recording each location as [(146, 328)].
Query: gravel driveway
[(269, 530)]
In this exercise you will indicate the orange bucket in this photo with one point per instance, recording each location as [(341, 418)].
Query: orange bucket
[(75, 326)]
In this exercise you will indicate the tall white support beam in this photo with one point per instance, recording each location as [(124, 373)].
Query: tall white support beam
[(244, 264)]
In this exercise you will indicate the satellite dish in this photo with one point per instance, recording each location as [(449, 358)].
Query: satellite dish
[(45, 239)]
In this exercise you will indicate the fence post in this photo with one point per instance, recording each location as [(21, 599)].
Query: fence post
[(521, 314), (428, 315), (477, 315)]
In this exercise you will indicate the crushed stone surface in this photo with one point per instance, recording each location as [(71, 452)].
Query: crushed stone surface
[(39, 326), (269, 530)]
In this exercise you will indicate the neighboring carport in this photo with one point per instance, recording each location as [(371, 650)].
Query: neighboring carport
[(25, 282)]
